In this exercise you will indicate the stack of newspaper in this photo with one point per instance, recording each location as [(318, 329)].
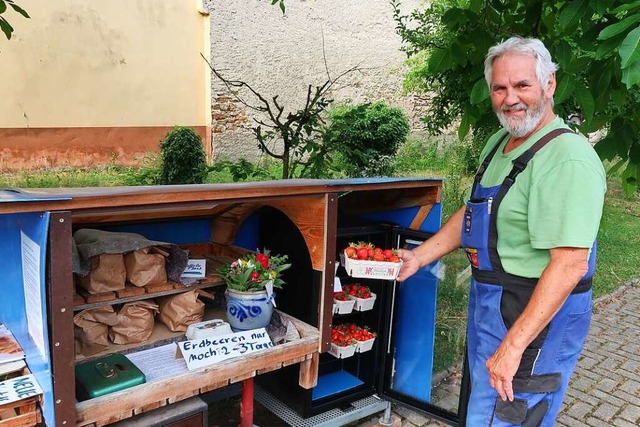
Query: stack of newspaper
[(11, 353)]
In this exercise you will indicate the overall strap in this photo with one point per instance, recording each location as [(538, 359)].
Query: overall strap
[(485, 164), (519, 165)]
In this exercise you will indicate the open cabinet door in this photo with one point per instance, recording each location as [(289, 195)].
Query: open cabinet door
[(417, 373)]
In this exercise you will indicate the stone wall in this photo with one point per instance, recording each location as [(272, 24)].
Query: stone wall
[(281, 55)]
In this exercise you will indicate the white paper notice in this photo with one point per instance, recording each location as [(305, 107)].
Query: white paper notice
[(32, 291), (337, 285), (158, 363), (19, 388), (207, 351)]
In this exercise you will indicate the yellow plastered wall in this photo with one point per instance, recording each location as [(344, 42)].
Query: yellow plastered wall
[(115, 63)]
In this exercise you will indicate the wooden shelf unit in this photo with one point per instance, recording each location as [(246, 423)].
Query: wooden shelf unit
[(313, 206)]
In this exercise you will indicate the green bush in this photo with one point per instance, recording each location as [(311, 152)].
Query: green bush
[(183, 158), (366, 137)]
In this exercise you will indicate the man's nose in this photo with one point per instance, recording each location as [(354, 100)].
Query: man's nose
[(512, 97)]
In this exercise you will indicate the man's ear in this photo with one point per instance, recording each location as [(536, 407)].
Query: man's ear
[(551, 85)]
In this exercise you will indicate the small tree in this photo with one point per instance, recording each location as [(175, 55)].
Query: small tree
[(183, 158), (366, 136), (303, 152)]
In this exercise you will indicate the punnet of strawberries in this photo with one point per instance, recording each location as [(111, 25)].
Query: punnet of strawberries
[(356, 290), (365, 251), (340, 296), (350, 332)]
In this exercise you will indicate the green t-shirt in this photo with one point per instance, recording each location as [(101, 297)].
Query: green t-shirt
[(556, 201)]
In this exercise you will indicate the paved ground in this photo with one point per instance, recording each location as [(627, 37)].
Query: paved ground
[(605, 388)]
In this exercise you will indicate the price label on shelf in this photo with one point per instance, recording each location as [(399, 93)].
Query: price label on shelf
[(207, 351)]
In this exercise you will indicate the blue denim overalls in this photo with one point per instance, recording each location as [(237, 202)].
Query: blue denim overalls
[(497, 298)]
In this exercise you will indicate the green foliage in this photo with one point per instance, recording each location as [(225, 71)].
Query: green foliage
[(243, 170), (183, 158), (5, 27), (595, 43), (148, 173), (366, 137)]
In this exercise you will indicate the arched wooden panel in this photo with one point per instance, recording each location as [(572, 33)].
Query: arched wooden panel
[(308, 213)]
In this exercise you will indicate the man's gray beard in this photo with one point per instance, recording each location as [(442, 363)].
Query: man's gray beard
[(521, 128)]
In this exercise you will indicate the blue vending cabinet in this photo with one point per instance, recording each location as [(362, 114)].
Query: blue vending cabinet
[(400, 366), (25, 257)]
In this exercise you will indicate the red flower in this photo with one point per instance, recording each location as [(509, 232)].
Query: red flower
[(263, 260)]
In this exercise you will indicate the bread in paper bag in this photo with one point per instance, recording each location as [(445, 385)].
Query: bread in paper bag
[(179, 311), (107, 274), (146, 266), (92, 325), (135, 323)]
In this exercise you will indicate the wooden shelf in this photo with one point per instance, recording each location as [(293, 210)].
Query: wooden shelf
[(145, 397), (205, 283)]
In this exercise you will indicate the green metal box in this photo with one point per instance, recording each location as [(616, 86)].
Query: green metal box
[(106, 375)]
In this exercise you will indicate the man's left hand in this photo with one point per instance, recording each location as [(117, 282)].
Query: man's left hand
[(502, 366)]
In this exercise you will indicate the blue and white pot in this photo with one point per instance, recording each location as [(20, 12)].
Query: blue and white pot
[(248, 310)]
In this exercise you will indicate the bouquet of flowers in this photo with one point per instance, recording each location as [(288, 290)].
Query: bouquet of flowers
[(254, 270)]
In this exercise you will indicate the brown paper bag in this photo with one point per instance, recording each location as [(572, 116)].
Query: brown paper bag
[(92, 325), (107, 274), (146, 266), (135, 323), (179, 311)]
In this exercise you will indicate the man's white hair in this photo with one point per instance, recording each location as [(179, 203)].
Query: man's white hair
[(526, 46)]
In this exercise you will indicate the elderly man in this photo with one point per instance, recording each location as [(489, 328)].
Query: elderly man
[(529, 229)]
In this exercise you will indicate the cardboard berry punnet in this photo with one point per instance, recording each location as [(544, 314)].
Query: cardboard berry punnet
[(364, 260)]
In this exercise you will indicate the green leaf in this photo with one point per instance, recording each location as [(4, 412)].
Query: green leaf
[(619, 97), (6, 28), (578, 64), (585, 101), (630, 48), (596, 123), (440, 61), (601, 78), (631, 75), (631, 178), (600, 6), (480, 91), (616, 167), (563, 54), (282, 7), (605, 149), (565, 88), (20, 10), (609, 47), (619, 27), (465, 125), (571, 14), (626, 7), (3, 6), (452, 17), (476, 5)]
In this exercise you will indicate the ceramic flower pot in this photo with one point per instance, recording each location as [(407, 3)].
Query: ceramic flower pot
[(248, 310)]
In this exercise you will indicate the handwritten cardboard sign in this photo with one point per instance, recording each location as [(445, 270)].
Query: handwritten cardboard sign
[(195, 268), (207, 351), (18, 388)]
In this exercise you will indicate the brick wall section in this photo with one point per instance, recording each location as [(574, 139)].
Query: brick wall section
[(228, 114)]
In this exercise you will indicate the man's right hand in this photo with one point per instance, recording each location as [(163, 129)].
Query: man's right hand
[(410, 264)]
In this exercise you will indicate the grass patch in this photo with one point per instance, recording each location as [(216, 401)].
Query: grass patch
[(618, 240)]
